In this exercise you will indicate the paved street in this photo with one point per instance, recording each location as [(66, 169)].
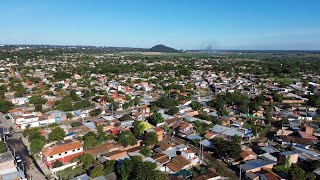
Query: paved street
[(219, 165), (17, 147)]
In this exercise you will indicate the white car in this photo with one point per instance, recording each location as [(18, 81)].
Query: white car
[(6, 132), (18, 159)]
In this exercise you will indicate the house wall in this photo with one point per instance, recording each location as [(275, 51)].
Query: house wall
[(293, 159), (270, 166), (160, 135), (63, 157)]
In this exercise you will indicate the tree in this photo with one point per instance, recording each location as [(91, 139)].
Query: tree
[(56, 134), (101, 134), (128, 97), (126, 138), (135, 168), (138, 128), (64, 105), (166, 128), (145, 151), (125, 117), (173, 111), (150, 138), (200, 127), (89, 139), (296, 173), (166, 102), (81, 104), (97, 171), (36, 146), (3, 147), (74, 96), (125, 169), (196, 105), (277, 97), (57, 163), (95, 112), (61, 75), (227, 148), (156, 118), (5, 106), (110, 166), (86, 160), (76, 124), (114, 106), (37, 101)]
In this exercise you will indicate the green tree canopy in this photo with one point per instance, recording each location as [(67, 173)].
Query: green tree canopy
[(5, 106), (86, 160), (166, 102), (145, 151), (173, 111), (150, 138), (196, 105), (156, 118), (110, 166), (97, 171), (56, 134), (138, 128), (126, 138), (57, 163)]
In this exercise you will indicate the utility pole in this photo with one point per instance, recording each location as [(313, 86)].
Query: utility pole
[(240, 173), (112, 110), (4, 135), (22, 164), (202, 152)]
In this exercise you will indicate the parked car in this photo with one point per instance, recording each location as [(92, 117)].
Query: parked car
[(18, 159), (6, 132)]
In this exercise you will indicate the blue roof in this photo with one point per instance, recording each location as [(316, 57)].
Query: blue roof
[(207, 143), (255, 163), (193, 136), (71, 134), (269, 149), (90, 125), (287, 153)]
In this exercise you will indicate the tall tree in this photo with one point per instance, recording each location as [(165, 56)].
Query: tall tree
[(150, 138), (156, 118), (126, 138), (56, 134)]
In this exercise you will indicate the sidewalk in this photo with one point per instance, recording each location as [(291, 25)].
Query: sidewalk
[(33, 171)]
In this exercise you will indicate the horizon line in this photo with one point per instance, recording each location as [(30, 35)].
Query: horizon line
[(17, 44)]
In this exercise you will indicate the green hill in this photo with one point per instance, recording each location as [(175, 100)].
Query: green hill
[(163, 48)]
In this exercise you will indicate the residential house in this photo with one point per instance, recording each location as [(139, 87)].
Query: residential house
[(288, 157), (161, 160), (8, 168), (178, 163), (116, 155), (102, 149), (159, 133), (256, 165), (64, 151), (248, 155)]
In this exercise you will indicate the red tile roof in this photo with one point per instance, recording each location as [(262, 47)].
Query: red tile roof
[(58, 149)]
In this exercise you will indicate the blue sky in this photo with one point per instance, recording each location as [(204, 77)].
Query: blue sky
[(182, 24)]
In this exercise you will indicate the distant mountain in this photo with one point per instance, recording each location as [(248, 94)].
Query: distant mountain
[(163, 48)]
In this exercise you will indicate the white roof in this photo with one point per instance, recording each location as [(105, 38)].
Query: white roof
[(226, 131)]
